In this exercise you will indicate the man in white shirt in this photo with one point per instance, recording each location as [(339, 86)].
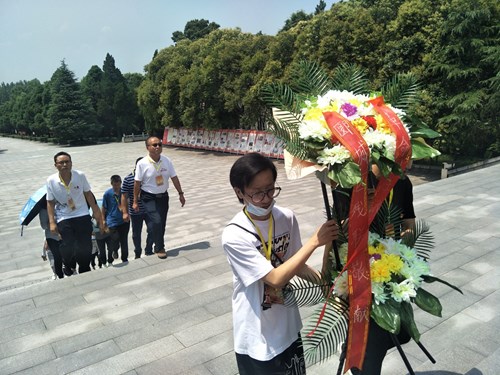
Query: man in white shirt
[(151, 187), (68, 200)]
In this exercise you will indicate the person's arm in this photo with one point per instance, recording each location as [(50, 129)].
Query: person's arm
[(52, 218), (407, 226), (281, 275), (137, 192), (89, 196), (124, 206), (177, 185)]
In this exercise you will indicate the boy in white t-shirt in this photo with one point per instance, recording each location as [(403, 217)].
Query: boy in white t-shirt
[(263, 246)]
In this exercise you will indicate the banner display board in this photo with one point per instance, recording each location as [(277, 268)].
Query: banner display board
[(225, 140)]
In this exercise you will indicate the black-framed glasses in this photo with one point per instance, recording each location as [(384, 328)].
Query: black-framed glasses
[(260, 195), (155, 144)]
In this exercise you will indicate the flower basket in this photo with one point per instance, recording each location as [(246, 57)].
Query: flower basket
[(339, 133)]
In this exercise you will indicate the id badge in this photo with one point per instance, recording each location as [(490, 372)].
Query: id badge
[(71, 204), (159, 180)]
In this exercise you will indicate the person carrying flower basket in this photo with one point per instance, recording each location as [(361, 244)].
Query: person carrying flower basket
[(263, 246), (339, 134)]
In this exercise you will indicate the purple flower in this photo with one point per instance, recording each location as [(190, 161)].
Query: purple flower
[(349, 109), (376, 256)]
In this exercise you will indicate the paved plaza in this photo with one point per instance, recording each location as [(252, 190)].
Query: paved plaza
[(173, 316)]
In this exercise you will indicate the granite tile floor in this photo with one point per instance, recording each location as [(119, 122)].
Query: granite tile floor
[(173, 316)]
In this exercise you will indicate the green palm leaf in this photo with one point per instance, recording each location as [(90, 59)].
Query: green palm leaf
[(323, 340), (278, 95), (421, 239), (401, 90), (306, 292), (310, 79), (351, 78)]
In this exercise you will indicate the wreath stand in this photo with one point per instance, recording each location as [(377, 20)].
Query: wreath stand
[(338, 267)]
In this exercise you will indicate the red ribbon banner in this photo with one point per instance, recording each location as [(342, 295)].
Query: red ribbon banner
[(401, 157), (358, 271)]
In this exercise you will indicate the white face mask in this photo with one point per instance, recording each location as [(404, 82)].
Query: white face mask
[(259, 211)]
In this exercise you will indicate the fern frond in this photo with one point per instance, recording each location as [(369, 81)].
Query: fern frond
[(323, 340), (310, 79), (306, 292), (421, 239), (351, 78), (401, 90), (284, 125), (278, 95)]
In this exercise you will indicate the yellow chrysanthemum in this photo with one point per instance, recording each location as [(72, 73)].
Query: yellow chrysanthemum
[(379, 272), (393, 262), (360, 124), (382, 125), (313, 114)]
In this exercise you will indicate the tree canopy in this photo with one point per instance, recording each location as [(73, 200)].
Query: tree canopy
[(212, 77)]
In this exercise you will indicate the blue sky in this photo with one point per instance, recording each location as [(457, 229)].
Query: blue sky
[(35, 35)]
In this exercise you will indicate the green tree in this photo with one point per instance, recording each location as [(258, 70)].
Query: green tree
[(117, 108), (294, 19), (462, 70), (320, 8), (195, 29), (71, 118)]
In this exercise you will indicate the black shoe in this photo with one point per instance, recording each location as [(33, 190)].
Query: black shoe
[(149, 254), (137, 256)]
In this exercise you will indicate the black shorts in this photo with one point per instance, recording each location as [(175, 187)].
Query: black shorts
[(290, 362)]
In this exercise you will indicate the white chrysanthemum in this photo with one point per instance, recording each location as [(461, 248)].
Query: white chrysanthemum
[(407, 253), (335, 155), (379, 294), (313, 130), (372, 238), (341, 285), (374, 138), (325, 100), (402, 291), (391, 245), (414, 270)]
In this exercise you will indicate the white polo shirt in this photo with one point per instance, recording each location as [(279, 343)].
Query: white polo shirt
[(148, 172), (56, 191)]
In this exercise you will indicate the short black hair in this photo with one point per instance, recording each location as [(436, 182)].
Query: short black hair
[(61, 153), (115, 178), (247, 167), (151, 136)]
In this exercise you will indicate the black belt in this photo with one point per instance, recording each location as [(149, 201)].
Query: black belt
[(157, 196)]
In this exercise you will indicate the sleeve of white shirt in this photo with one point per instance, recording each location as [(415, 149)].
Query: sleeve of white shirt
[(247, 263), (85, 182), (171, 168)]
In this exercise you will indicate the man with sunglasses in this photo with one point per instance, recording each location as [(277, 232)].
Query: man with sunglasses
[(151, 187)]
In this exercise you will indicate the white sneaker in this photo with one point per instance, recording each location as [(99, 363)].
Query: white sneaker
[(54, 276)]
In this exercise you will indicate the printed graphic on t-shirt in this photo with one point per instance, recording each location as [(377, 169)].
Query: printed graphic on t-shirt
[(279, 250)]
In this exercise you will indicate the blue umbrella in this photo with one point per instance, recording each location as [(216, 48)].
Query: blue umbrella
[(33, 206)]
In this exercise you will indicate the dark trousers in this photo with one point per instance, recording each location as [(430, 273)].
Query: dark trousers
[(156, 211), (379, 342), (58, 262), (102, 244), (118, 239), (137, 221), (290, 362), (76, 242)]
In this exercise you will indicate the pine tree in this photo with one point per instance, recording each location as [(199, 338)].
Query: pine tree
[(71, 118)]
